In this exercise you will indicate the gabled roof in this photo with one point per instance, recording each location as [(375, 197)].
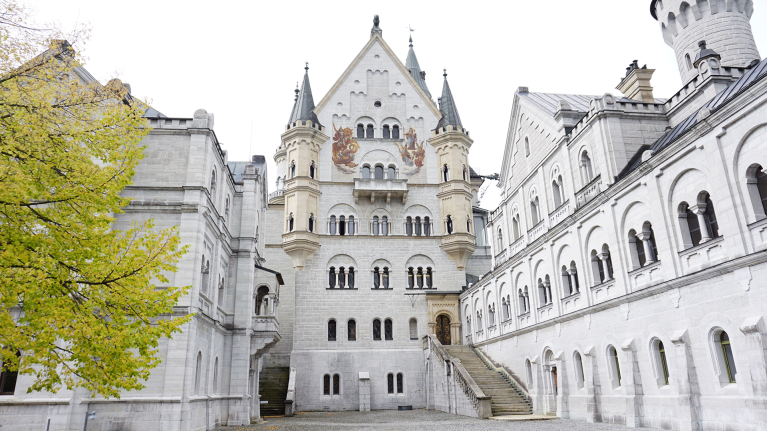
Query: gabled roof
[(548, 101), (377, 38), (411, 64), (303, 109), (447, 106)]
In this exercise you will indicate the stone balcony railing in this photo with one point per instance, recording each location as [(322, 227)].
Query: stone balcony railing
[(703, 255), (501, 257), (536, 231), (559, 214), (587, 193), (277, 197), (517, 245), (649, 274), (266, 324), (382, 190), (602, 291)]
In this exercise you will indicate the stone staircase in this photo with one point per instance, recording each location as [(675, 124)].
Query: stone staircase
[(507, 400), (273, 387)]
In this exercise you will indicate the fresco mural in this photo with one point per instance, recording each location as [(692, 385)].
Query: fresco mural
[(412, 153), (344, 149)]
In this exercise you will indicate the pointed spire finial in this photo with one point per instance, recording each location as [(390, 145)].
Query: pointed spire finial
[(444, 73), (307, 66), (296, 90)]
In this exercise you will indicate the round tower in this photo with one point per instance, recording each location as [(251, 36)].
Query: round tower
[(723, 24)]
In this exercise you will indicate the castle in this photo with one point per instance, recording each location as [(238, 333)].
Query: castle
[(618, 281)]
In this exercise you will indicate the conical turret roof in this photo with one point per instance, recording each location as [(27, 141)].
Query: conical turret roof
[(303, 109), (411, 64), (447, 106)]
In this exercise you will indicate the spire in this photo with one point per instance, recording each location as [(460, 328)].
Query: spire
[(411, 64), (303, 109), (447, 106), (376, 30)]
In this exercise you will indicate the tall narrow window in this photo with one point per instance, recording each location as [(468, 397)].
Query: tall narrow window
[(332, 277), (616, 367), (688, 61), (351, 225), (332, 330), (418, 226), (662, 357), (586, 169), (579, 377), (521, 302), (351, 277), (351, 330), (8, 378), (360, 131), (290, 223), (385, 225), (556, 194), (567, 286), (385, 278), (710, 217), (426, 226), (419, 277), (366, 172), (597, 268), (311, 222), (428, 278), (527, 147), (369, 132), (410, 278), (379, 172), (198, 374), (388, 330), (341, 277), (326, 384), (445, 173), (399, 383), (213, 187), (465, 174), (395, 132), (293, 170), (311, 170), (760, 181), (386, 132), (390, 383), (640, 251), (515, 226), (336, 384), (574, 275), (534, 211), (409, 226), (500, 241), (375, 226), (729, 360), (342, 225), (332, 225), (449, 224), (392, 173), (376, 278), (413, 329), (376, 329)]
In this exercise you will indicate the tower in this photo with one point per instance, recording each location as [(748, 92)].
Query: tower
[(452, 143), (722, 24), (301, 145)]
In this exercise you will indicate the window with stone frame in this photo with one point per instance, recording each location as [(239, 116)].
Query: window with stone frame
[(390, 383), (413, 326), (332, 330), (360, 131), (376, 329), (388, 330), (351, 330), (326, 384), (400, 385), (336, 384)]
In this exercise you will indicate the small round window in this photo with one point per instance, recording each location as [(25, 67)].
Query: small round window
[(377, 104)]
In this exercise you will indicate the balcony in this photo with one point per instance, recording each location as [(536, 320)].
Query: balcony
[(703, 255), (495, 214), (517, 246), (646, 275), (373, 189), (589, 192), (266, 324), (601, 292), (571, 302), (536, 231), (524, 319), (277, 197), (559, 214), (501, 257)]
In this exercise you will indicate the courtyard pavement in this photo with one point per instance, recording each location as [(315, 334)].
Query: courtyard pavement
[(413, 420)]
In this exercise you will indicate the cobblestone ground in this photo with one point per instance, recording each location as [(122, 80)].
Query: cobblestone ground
[(413, 420)]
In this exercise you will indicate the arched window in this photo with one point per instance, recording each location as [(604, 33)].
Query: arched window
[(756, 180), (332, 225), (529, 373), (8, 378), (500, 241), (607, 261), (449, 224), (213, 187), (725, 357), (226, 211), (556, 191), (521, 302), (504, 308), (342, 225), (409, 226), (341, 277), (710, 217), (385, 278), (578, 365), (636, 247), (410, 278), (326, 384), (293, 169), (332, 330), (542, 296), (376, 278), (399, 383), (615, 366), (661, 365), (527, 300), (260, 295), (445, 173), (375, 225), (527, 147), (376, 329), (332, 277), (221, 293), (535, 213), (351, 225), (515, 226), (205, 275), (465, 174), (290, 223), (413, 329), (366, 172), (385, 226), (689, 226), (311, 222), (311, 170), (479, 321), (336, 384), (379, 172), (468, 224), (351, 330), (395, 132), (391, 173), (568, 288), (427, 226), (360, 131), (198, 374), (491, 314), (688, 61), (574, 276), (390, 383), (586, 170), (597, 268), (386, 132), (351, 277), (369, 132), (419, 278), (428, 278), (388, 330), (418, 226)]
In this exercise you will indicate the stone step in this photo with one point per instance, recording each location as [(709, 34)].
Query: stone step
[(273, 387)]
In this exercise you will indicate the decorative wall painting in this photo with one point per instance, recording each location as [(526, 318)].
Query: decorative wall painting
[(412, 153), (344, 149)]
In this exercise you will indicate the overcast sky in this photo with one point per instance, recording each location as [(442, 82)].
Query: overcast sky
[(241, 60)]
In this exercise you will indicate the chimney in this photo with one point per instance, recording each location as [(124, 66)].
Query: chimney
[(636, 84)]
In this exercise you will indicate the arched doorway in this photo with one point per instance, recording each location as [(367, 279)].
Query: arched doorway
[(443, 330)]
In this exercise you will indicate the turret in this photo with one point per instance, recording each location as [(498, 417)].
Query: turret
[(723, 24), (301, 143), (452, 143)]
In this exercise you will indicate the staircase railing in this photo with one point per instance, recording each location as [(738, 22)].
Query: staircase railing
[(471, 389), (291, 393), (506, 375)]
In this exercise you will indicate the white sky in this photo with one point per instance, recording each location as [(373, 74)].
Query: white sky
[(241, 60)]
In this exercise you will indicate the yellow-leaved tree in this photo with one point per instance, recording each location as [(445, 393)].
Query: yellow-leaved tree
[(85, 305)]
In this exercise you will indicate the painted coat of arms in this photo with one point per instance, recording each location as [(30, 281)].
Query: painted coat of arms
[(412, 153), (344, 149)]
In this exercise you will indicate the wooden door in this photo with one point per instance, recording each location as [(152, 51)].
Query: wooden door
[(443, 330)]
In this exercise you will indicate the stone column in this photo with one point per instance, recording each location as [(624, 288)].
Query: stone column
[(563, 390), (648, 251), (688, 411), (605, 266), (573, 279), (699, 210), (547, 287), (591, 381), (632, 384), (346, 278)]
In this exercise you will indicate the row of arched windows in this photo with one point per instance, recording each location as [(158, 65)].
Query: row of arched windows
[(445, 171), (292, 170), (698, 223), (418, 226), (419, 278), (378, 172), (390, 383), (369, 131), (342, 279), (378, 334), (327, 387), (198, 376)]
